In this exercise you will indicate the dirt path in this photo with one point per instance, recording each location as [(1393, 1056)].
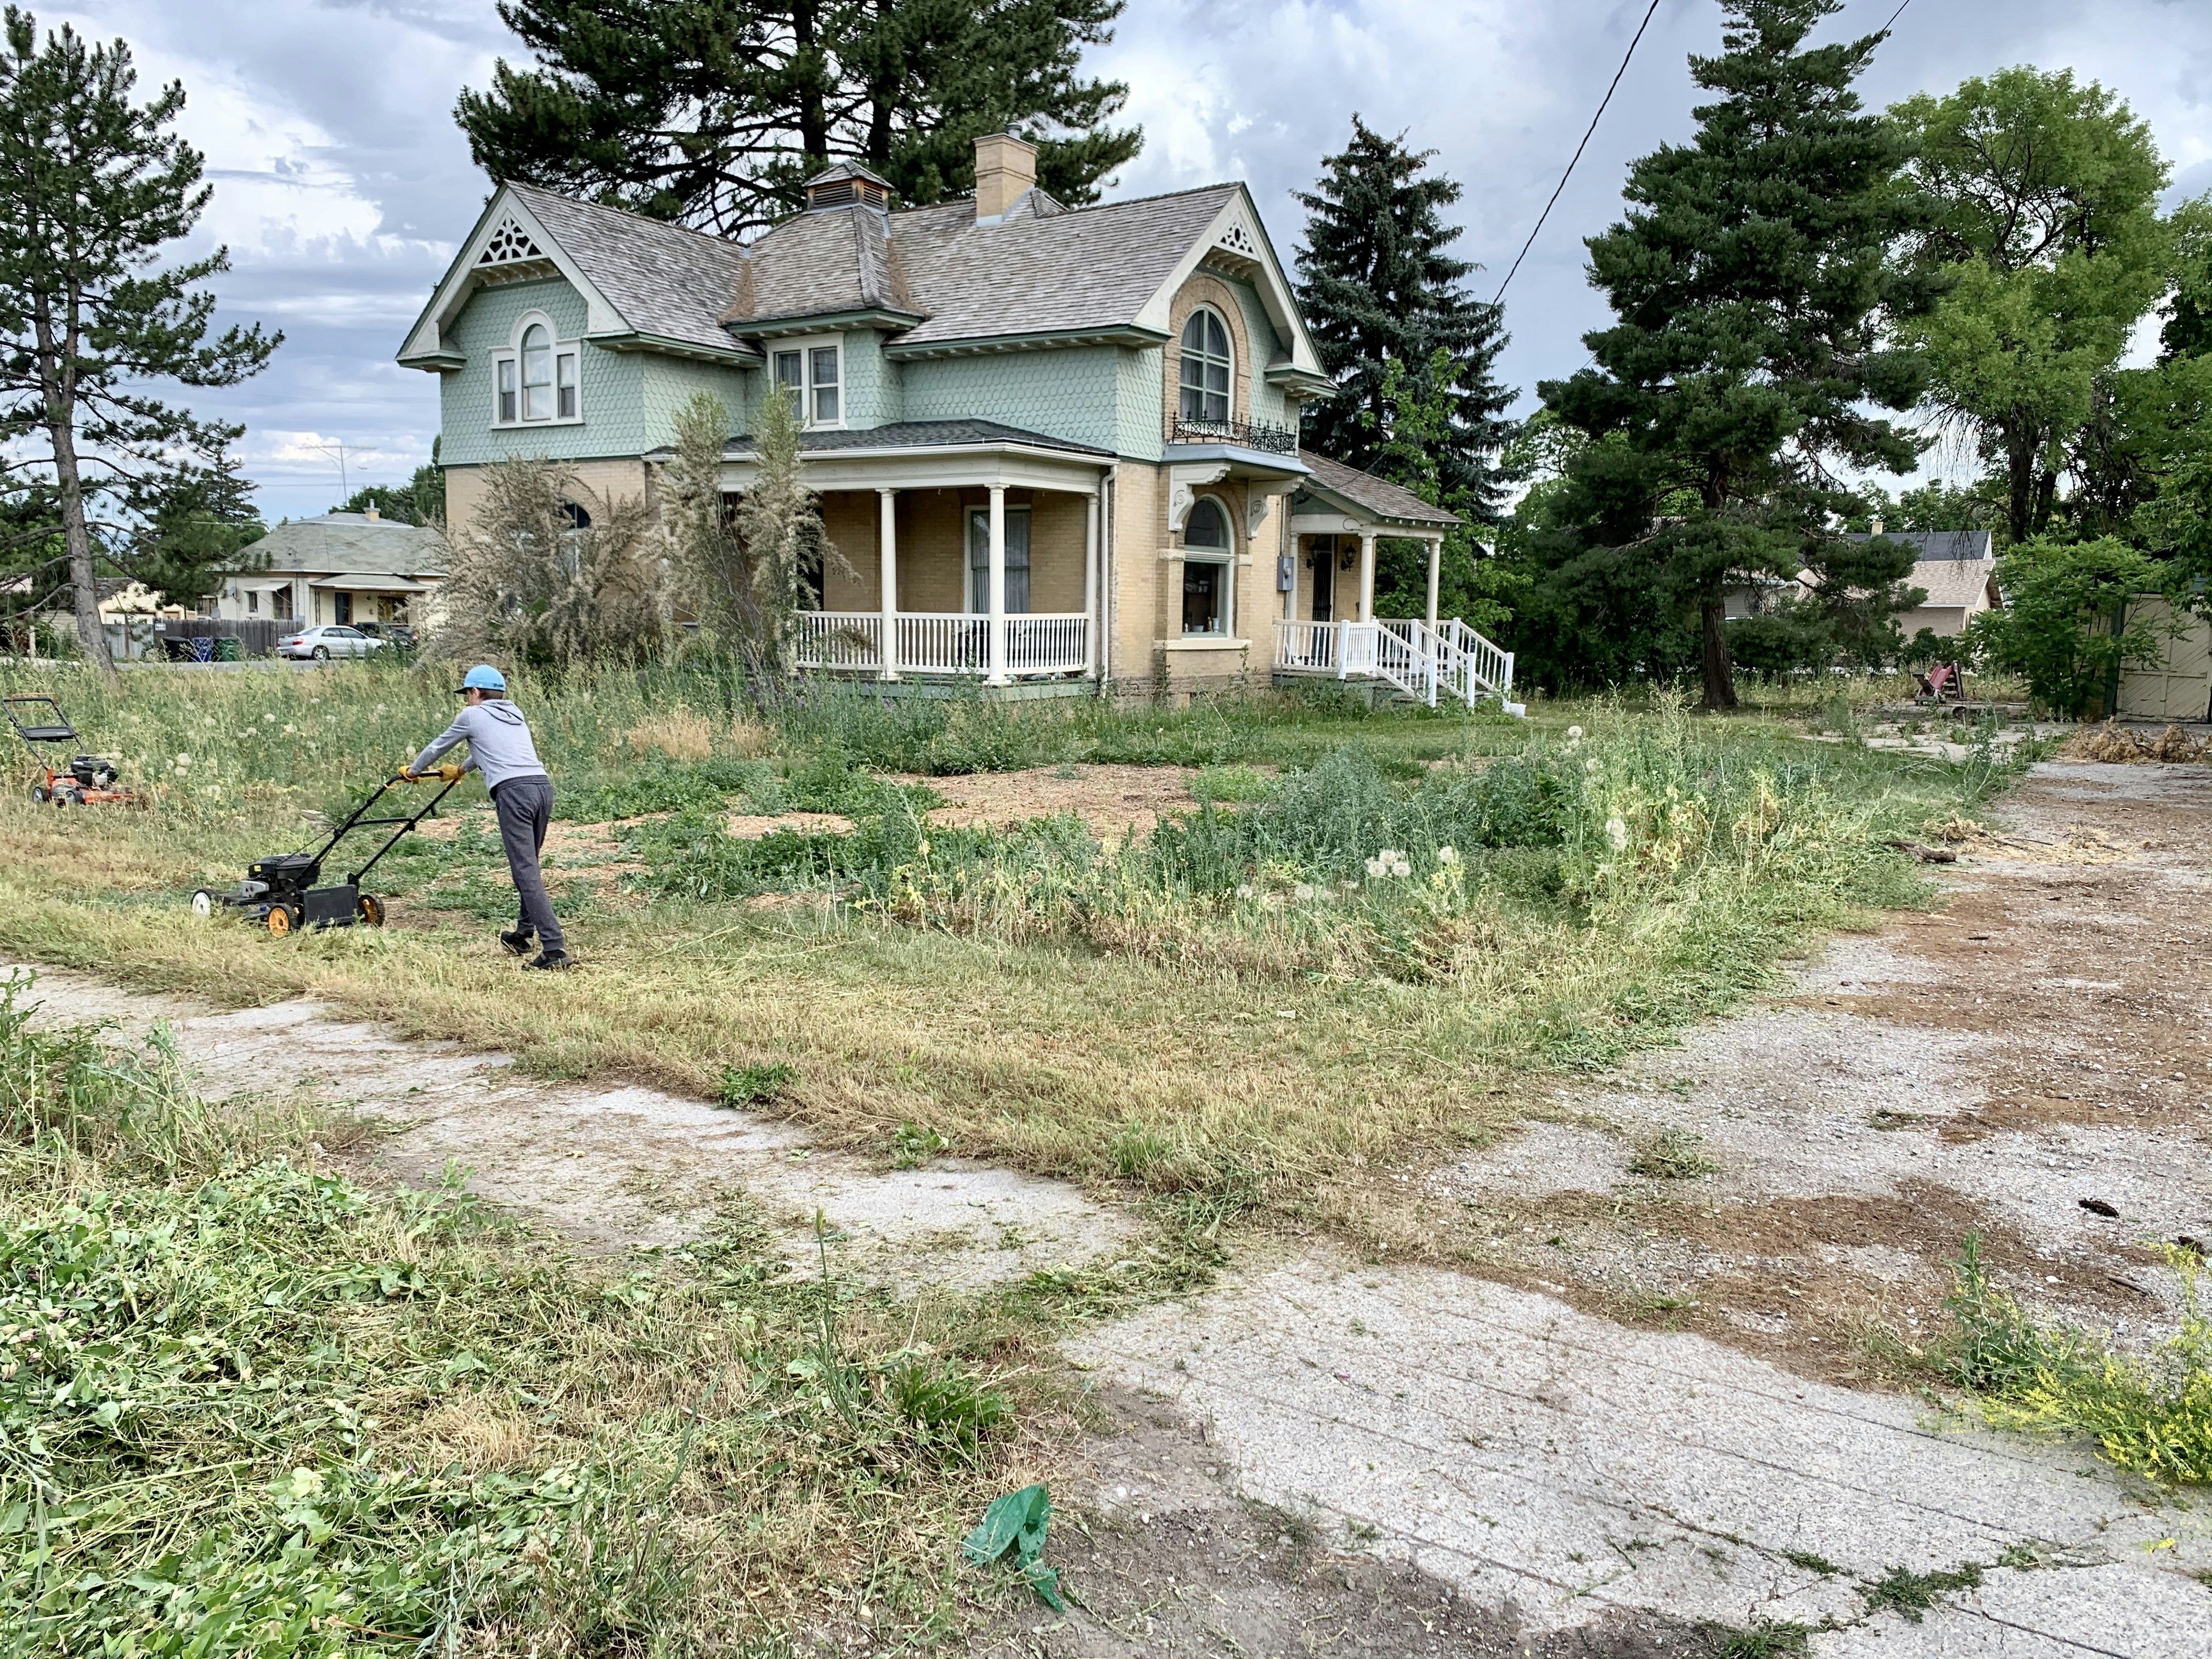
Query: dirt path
[(1652, 1400), (623, 1167)]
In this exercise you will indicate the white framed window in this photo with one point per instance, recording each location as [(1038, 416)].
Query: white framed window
[(813, 373), (1017, 561), (538, 380), (1209, 567), (1209, 366)]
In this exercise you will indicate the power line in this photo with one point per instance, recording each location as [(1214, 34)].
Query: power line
[(1895, 15), (1570, 173)]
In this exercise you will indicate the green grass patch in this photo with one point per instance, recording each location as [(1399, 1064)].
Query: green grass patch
[(251, 1408), (2150, 1413)]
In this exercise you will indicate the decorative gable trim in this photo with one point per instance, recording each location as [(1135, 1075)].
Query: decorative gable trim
[(508, 244), (1237, 243)]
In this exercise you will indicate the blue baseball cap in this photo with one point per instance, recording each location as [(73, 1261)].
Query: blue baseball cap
[(483, 678)]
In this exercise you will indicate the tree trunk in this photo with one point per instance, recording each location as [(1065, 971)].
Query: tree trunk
[(1720, 672), (2020, 447), (76, 536), (813, 121)]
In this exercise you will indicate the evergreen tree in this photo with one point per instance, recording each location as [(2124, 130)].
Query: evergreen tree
[(1380, 292), (715, 113), (420, 501), (92, 186), (1751, 280)]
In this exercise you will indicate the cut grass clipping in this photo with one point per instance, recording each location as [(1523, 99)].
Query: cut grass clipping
[(2152, 1415), (251, 1407)]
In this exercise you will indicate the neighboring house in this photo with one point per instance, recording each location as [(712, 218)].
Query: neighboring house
[(1956, 569), (342, 568), (1052, 445)]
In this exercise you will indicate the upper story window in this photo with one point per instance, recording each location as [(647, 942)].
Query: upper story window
[(536, 381), (1206, 365), (814, 374)]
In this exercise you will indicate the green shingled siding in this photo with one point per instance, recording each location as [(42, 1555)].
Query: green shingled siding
[(611, 384), (668, 383), (1137, 403), (1070, 392), (873, 394), (1260, 402)]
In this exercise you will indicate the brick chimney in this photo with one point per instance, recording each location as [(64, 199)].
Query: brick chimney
[(370, 513), (1005, 168)]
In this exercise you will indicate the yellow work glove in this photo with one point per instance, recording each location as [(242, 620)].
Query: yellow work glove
[(409, 775)]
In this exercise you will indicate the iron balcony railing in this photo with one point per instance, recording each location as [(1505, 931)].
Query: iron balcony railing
[(1251, 434)]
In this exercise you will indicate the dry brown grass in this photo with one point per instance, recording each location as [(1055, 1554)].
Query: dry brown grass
[(2123, 746)]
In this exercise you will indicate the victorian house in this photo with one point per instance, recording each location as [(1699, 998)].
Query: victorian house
[(1056, 448)]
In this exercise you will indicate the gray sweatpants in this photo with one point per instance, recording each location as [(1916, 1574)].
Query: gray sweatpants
[(525, 808)]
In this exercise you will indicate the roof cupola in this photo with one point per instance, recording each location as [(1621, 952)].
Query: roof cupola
[(848, 185)]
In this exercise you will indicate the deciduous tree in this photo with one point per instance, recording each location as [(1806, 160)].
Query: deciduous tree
[(2045, 196), (94, 185)]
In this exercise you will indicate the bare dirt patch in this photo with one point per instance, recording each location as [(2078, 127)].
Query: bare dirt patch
[(1115, 801)]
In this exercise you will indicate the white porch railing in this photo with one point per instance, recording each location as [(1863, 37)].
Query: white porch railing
[(1450, 660), (940, 642)]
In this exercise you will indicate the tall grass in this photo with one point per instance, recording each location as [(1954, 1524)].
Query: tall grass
[(249, 1406)]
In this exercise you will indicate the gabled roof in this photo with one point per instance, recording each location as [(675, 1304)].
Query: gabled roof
[(646, 284), (338, 543), (1361, 494), (1930, 545), (940, 281)]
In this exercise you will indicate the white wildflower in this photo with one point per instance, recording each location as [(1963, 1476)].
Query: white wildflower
[(1245, 890), (1304, 890), (1401, 866), (1447, 855), (1574, 734), (1616, 832), (1375, 866), (271, 719)]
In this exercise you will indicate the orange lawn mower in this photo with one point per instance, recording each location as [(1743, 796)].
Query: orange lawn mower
[(82, 780), (284, 893)]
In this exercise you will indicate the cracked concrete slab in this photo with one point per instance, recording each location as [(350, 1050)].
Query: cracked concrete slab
[(1528, 1455), (618, 1166)]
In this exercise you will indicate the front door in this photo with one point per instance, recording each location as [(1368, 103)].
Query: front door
[(978, 560), (1324, 577), (341, 607)]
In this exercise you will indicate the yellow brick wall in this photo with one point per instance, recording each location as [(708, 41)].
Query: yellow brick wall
[(466, 489)]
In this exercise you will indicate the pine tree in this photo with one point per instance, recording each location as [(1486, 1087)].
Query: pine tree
[(1378, 288), (715, 113), (92, 186), (1752, 279)]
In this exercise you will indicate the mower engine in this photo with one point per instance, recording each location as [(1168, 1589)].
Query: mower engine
[(91, 772)]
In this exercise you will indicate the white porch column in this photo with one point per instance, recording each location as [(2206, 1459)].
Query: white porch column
[(1090, 630), (887, 558), (1436, 556), (1366, 577), (997, 588)]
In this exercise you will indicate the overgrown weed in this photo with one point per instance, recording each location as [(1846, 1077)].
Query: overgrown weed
[(2150, 1414)]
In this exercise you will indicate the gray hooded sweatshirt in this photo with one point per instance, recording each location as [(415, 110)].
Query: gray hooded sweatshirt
[(498, 739)]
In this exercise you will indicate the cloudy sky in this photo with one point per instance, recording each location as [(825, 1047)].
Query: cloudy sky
[(342, 183)]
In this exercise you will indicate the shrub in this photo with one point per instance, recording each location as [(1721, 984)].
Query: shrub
[(2064, 625)]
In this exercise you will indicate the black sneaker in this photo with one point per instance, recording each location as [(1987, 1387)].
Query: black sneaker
[(516, 944), (550, 959)]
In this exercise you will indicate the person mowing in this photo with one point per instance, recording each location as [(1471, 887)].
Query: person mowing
[(500, 747)]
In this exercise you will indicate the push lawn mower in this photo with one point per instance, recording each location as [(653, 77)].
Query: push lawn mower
[(281, 894), (86, 780)]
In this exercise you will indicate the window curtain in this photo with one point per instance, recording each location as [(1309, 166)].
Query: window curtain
[(1017, 561)]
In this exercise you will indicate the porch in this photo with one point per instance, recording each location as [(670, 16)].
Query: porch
[(1427, 664)]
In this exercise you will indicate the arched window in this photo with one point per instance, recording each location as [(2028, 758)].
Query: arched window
[(1207, 525), (537, 372), (1207, 366), (1207, 563), (538, 378)]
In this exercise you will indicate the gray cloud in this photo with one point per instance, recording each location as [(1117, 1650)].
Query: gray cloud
[(342, 183)]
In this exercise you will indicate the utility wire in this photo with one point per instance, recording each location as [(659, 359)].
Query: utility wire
[(1895, 15), (1580, 148)]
